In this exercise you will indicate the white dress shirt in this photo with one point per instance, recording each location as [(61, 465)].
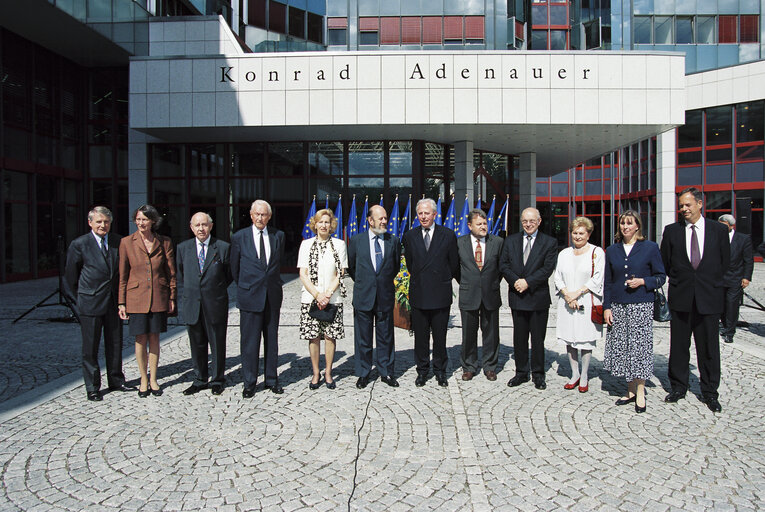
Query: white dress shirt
[(256, 237), (699, 234), (372, 247)]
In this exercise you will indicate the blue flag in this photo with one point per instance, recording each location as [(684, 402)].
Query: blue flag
[(449, 221), (326, 203), (490, 215), (307, 233), (339, 215), (353, 227), (393, 219), (462, 227), (364, 225), (381, 201), (500, 224), (405, 220), (478, 204), (439, 220)]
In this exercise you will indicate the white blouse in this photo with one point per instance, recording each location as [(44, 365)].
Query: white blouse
[(326, 263)]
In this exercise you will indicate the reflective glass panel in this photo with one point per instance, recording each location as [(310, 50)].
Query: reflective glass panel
[(365, 158), (167, 160), (248, 159), (285, 159), (539, 39), (325, 158), (558, 15), (662, 30), (705, 29), (749, 171), (684, 28), (557, 39), (400, 158), (642, 30), (689, 135), (719, 120)]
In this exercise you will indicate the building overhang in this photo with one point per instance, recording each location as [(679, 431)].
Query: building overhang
[(566, 107)]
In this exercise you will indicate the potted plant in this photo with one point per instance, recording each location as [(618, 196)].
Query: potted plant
[(402, 316)]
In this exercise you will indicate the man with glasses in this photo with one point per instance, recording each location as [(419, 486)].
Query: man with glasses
[(527, 262)]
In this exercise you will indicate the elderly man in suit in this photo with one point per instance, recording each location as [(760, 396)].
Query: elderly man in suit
[(256, 255), (480, 299), (431, 257), (204, 271), (527, 262), (696, 254), (738, 276), (374, 259), (91, 278)]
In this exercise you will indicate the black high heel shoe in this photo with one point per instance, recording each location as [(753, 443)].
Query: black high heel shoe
[(155, 392), (639, 409), (317, 385), (143, 394), (331, 385)]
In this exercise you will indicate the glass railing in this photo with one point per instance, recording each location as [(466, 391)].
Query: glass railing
[(104, 11)]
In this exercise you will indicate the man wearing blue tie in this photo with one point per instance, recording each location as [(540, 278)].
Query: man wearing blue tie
[(373, 261)]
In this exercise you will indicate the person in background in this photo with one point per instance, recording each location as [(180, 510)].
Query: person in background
[(737, 278)]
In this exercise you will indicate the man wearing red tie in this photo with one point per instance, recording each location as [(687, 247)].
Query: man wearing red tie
[(696, 254)]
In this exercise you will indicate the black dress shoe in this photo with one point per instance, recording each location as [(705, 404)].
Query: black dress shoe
[(121, 387), (155, 392), (540, 384), (316, 385), (420, 381), (517, 381), (217, 389), (639, 409), (362, 382), (143, 394), (330, 385), (391, 381), (625, 401), (674, 396), (248, 392), (194, 388), (275, 388), (441, 379), (94, 396), (713, 405)]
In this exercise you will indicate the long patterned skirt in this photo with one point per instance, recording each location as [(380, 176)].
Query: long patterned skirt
[(629, 342)]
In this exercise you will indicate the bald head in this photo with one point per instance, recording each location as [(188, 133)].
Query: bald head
[(201, 225), (530, 220), (378, 220)]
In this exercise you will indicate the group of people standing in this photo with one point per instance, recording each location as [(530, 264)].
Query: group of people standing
[(134, 279)]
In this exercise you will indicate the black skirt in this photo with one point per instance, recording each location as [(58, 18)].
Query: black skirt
[(145, 323)]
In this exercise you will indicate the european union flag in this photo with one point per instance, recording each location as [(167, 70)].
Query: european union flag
[(364, 225), (462, 227), (353, 227), (307, 233), (439, 220), (450, 220), (339, 215), (393, 219), (500, 224), (490, 215), (405, 220), (478, 204)]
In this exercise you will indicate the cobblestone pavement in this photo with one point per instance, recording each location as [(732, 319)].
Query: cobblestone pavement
[(475, 445)]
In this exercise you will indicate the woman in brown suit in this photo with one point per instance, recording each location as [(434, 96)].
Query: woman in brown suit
[(147, 291)]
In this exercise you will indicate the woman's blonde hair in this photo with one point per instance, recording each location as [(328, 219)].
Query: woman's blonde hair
[(635, 215), (581, 222), (317, 217)]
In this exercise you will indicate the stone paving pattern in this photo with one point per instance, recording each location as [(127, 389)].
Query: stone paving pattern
[(475, 445)]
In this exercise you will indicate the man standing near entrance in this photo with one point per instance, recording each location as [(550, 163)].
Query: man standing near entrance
[(696, 254), (738, 276), (91, 278), (374, 259), (527, 262), (432, 260), (480, 299), (256, 255), (204, 272)]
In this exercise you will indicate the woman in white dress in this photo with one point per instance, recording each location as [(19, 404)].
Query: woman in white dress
[(579, 285), (322, 260)]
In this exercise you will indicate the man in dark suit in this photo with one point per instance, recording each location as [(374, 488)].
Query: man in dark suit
[(374, 258), (432, 261), (696, 254), (204, 272), (738, 276), (480, 300), (90, 285), (256, 255), (527, 262)]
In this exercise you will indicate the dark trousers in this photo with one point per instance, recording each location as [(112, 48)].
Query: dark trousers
[(381, 322), (489, 322), (202, 334), (425, 321), (252, 327), (704, 330), (733, 298), (532, 323), (91, 327)]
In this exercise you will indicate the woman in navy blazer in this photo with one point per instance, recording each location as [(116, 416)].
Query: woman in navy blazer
[(633, 271)]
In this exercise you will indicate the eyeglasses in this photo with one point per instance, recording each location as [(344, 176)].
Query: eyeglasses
[(529, 222)]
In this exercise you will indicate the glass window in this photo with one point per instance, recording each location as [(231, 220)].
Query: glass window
[(539, 15), (400, 158), (719, 121), (365, 158), (559, 15), (750, 171), (390, 30), (684, 30), (336, 36), (167, 160), (277, 17), (245, 191), (718, 201), (543, 190), (206, 160), (750, 29), (256, 14), (431, 30), (248, 159), (662, 30), (689, 135), (369, 38), (325, 158), (539, 40), (689, 176), (717, 174), (410, 30), (705, 29), (315, 28), (642, 27), (750, 153), (559, 189), (297, 22), (558, 39), (727, 29), (285, 159), (207, 191)]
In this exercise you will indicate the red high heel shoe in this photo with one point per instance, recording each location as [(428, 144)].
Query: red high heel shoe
[(572, 385)]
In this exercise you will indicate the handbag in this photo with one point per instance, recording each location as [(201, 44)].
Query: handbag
[(596, 315), (323, 315), (660, 306)]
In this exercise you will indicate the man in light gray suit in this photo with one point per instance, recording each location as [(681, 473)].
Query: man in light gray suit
[(204, 273), (479, 301)]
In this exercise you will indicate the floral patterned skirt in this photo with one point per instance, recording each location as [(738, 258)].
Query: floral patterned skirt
[(629, 342), (310, 328)]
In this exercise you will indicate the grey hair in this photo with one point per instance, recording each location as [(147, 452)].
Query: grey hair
[(728, 219), (261, 202), (428, 201), (103, 210), (532, 209), (475, 212), (209, 217)]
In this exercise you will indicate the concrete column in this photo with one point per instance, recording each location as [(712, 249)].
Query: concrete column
[(138, 172), (527, 181), (463, 175), (666, 200)]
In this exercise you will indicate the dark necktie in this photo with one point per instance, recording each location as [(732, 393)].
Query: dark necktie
[(478, 255), (378, 254), (262, 250), (202, 258), (104, 249), (527, 250), (427, 239), (695, 252)]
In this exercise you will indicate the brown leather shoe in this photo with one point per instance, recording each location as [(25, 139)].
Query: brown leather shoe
[(467, 375), (490, 375)]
